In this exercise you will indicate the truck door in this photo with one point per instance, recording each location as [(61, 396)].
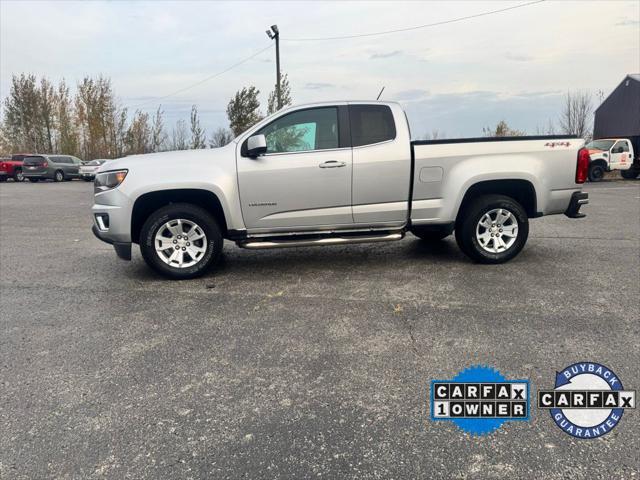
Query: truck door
[(381, 164), (304, 178), (619, 156)]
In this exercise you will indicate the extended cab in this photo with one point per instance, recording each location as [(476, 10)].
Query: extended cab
[(609, 154), (335, 173)]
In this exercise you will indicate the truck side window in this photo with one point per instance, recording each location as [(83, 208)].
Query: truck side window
[(304, 130), (371, 124), (621, 147)]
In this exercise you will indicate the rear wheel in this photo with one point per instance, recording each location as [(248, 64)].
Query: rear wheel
[(596, 173), (492, 229), (181, 241), (58, 176), (18, 176), (630, 174)]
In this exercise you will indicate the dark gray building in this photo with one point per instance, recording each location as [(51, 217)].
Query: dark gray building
[(619, 114)]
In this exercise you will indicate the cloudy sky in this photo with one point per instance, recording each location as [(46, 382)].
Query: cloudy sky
[(455, 77)]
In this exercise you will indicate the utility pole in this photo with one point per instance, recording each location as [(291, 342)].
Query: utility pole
[(274, 34)]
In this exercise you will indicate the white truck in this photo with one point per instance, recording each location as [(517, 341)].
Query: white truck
[(609, 154), (335, 173)]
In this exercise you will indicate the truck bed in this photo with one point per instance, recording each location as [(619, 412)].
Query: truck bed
[(546, 165)]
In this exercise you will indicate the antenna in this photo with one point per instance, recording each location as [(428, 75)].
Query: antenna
[(380, 94)]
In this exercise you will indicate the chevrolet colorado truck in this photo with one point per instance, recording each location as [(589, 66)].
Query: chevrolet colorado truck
[(330, 174)]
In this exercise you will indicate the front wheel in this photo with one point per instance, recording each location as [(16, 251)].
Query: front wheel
[(492, 229), (596, 173), (181, 241), (18, 176)]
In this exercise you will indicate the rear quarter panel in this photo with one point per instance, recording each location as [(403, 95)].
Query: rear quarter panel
[(444, 173)]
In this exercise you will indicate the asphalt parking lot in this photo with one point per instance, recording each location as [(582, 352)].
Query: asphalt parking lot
[(303, 363)]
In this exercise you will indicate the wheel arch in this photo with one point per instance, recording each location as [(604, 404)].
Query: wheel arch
[(149, 202), (523, 191), (599, 162)]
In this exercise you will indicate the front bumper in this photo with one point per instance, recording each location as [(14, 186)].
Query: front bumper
[(577, 200), (123, 249)]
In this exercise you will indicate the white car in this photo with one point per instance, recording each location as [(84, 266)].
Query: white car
[(88, 170)]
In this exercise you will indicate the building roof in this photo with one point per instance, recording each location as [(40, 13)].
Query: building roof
[(632, 76)]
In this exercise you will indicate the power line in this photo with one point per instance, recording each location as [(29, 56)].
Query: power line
[(386, 32), (204, 80)]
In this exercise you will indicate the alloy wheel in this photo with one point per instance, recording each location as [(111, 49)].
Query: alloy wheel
[(180, 243), (497, 230)]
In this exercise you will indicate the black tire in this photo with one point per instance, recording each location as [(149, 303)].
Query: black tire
[(630, 174), (3, 178), (194, 214), (58, 176), (17, 175), (430, 235), (33, 180), (86, 179), (469, 218), (596, 172)]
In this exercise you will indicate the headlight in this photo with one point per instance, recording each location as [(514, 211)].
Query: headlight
[(108, 180)]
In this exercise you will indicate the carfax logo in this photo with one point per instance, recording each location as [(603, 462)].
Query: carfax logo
[(479, 400), (588, 400)]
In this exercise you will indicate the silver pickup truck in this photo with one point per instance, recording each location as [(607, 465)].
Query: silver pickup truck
[(335, 173)]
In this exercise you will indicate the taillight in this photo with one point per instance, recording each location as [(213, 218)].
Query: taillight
[(582, 167), (45, 165)]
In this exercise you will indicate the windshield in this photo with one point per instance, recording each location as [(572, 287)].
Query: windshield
[(600, 144)]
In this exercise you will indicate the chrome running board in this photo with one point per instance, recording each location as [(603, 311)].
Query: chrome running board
[(283, 242)]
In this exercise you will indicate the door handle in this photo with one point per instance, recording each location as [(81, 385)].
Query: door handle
[(332, 164)]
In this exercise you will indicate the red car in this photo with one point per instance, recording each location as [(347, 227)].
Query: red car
[(12, 167)]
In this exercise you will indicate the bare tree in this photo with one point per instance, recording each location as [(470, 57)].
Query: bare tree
[(179, 136), (575, 118), (220, 137), (435, 134)]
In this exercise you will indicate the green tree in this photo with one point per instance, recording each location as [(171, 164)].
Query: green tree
[(502, 130), (158, 135), (139, 134), (22, 119), (285, 96), (47, 100), (198, 139), (243, 110), (67, 140)]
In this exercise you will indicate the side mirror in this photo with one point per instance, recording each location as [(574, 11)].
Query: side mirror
[(256, 145)]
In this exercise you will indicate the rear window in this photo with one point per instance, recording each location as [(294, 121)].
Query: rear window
[(371, 124), (33, 160)]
